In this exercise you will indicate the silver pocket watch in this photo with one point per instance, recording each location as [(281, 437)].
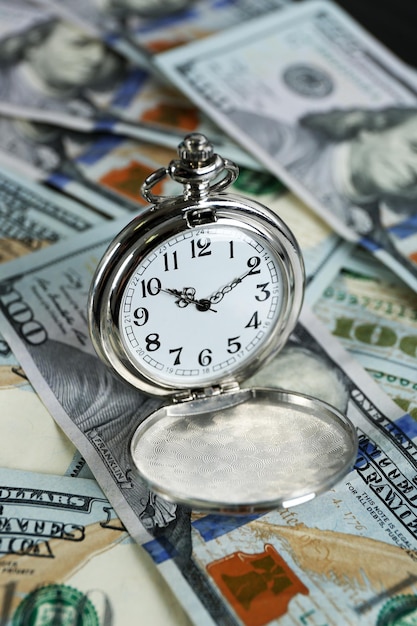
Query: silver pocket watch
[(190, 299)]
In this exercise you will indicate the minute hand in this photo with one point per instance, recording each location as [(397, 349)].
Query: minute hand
[(219, 295)]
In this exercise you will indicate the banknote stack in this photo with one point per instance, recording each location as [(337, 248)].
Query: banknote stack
[(321, 119)]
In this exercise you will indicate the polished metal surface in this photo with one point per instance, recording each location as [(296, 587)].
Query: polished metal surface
[(216, 447), (259, 449), (200, 171), (170, 217)]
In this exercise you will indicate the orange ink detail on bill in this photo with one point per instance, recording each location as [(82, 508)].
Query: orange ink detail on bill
[(259, 587), (173, 116), (126, 180)]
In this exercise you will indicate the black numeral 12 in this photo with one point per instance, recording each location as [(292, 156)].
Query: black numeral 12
[(200, 247)]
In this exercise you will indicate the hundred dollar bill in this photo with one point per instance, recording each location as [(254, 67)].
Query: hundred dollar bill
[(167, 134), (139, 29), (114, 22), (59, 180), (71, 176), (58, 82), (325, 107), (65, 558), (375, 318), (66, 159), (33, 217), (203, 557)]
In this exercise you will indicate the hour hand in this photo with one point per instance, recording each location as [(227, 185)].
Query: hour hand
[(184, 297), (187, 296)]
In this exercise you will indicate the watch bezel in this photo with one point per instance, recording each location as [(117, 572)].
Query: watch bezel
[(150, 230)]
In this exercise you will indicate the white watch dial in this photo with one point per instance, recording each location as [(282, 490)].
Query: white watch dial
[(201, 305)]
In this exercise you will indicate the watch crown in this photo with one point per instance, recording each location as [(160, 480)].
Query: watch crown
[(195, 149), (199, 169)]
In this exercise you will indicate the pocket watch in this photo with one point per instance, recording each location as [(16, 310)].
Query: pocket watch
[(190, 299)]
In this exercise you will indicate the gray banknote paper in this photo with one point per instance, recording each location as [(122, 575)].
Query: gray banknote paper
[(327, 109), (138, 30), (33, 217), (44, 320), (59, 82), (65, 558)]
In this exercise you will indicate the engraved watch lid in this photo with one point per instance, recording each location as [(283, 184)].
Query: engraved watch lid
[(244, 452)]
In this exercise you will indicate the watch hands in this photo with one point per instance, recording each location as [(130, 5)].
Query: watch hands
[(186, 297), (219, 295)]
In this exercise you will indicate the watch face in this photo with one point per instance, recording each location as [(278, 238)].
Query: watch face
[(202, 305)]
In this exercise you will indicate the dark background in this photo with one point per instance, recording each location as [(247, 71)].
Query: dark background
[(394, 22)]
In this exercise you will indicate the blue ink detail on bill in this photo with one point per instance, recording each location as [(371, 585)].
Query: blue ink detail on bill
[(169, 20), (405, 229), (213, 526), (105, 124), (130, 88), (157, 551), (370, 245), (57, 179), (210, 527), (408, 425), (99, 149)]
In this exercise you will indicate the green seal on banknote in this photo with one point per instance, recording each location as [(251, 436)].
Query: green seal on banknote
[(55, 604), (399, 611)]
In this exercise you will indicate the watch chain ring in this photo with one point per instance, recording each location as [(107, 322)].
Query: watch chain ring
[(156, 177)]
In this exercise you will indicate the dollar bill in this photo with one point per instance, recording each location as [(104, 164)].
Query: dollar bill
[(318, 242), (372, 509), (31, 218), (55, 76), (65, 558), (118, 165), (333, 115), (69, 186), (167, 134), (374, 316), (61, 155), (79, 163), (138, 30), (113, 23)]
